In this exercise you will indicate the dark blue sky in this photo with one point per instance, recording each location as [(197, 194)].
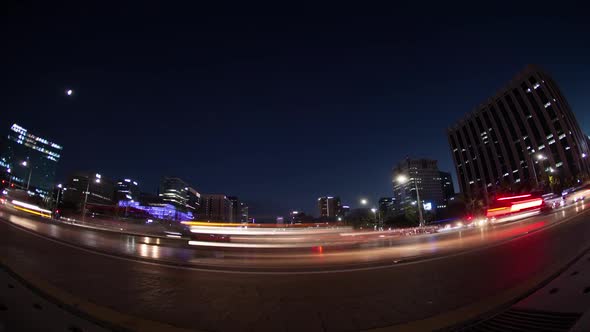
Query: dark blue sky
[(275, 105)]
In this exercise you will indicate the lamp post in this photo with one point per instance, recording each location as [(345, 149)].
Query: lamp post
[(97, 180), (539, 157), (374, 210), (26, 163), (59, 188), (403, 179)]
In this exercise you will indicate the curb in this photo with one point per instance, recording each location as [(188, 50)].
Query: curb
[(99, 315)]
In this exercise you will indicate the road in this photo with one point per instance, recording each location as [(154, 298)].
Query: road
[(389, 281)]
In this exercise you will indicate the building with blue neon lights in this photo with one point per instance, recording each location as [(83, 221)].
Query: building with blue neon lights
[(158, 211)]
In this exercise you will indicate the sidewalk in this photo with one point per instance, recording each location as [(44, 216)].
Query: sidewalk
[(22, 309), (563, 304)]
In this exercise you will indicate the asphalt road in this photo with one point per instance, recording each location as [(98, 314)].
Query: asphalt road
[(341, 290)]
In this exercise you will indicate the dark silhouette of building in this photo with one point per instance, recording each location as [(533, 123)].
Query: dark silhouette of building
[(300, 217), (100, 190), (448, 189), (29, 161), (330, 207), (243, 212), (127, 190), (525, 134), (387, 208), (215, 207), (235, 209)]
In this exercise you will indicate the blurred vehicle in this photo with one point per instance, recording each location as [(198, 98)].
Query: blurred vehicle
[(512, 207)]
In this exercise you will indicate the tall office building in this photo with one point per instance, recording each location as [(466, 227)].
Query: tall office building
[(386, 207), (29, 160), (176, 192), (215, 207), (243, 212), (329, 207), (418, 173), (235, 210), (193, 201), (127, 190), (522, 135), (100, 190), (448, 189)]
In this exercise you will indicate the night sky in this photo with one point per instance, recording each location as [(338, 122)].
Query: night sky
[(275, 105)]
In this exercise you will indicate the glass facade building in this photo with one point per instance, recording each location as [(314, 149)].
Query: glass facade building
[(422, 174), (521, 136), (179, 194), (29, 160)]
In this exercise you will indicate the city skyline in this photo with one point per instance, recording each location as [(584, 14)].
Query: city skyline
[(370, 109)]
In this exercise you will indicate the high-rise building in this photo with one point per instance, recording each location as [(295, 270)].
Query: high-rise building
[(523, 135), (29, 161), (235, 209), (176, 192), (173, 191), (193, 201), (215, 207), (386, 208), (127, 190), (345, 210), (448, 189), (100, 190), (299, 217), (243, 212), (417, 173), (329, 207)]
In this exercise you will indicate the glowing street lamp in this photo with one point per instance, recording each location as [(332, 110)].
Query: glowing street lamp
[(59, 189), (364, 201), (26, 163), (401, 179), (97, 180), (539, 157), (69, 92)]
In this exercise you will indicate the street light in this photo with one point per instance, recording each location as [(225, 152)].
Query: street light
[(364, 201), (540, 157), (401, 179), (27, 164), (97, 180), (59, 188)]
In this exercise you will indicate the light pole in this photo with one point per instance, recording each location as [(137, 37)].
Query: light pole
[(97, 180), (374, 210), (9, 177), (539, 157), (403, 179), (26, 163), (59, 187)]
